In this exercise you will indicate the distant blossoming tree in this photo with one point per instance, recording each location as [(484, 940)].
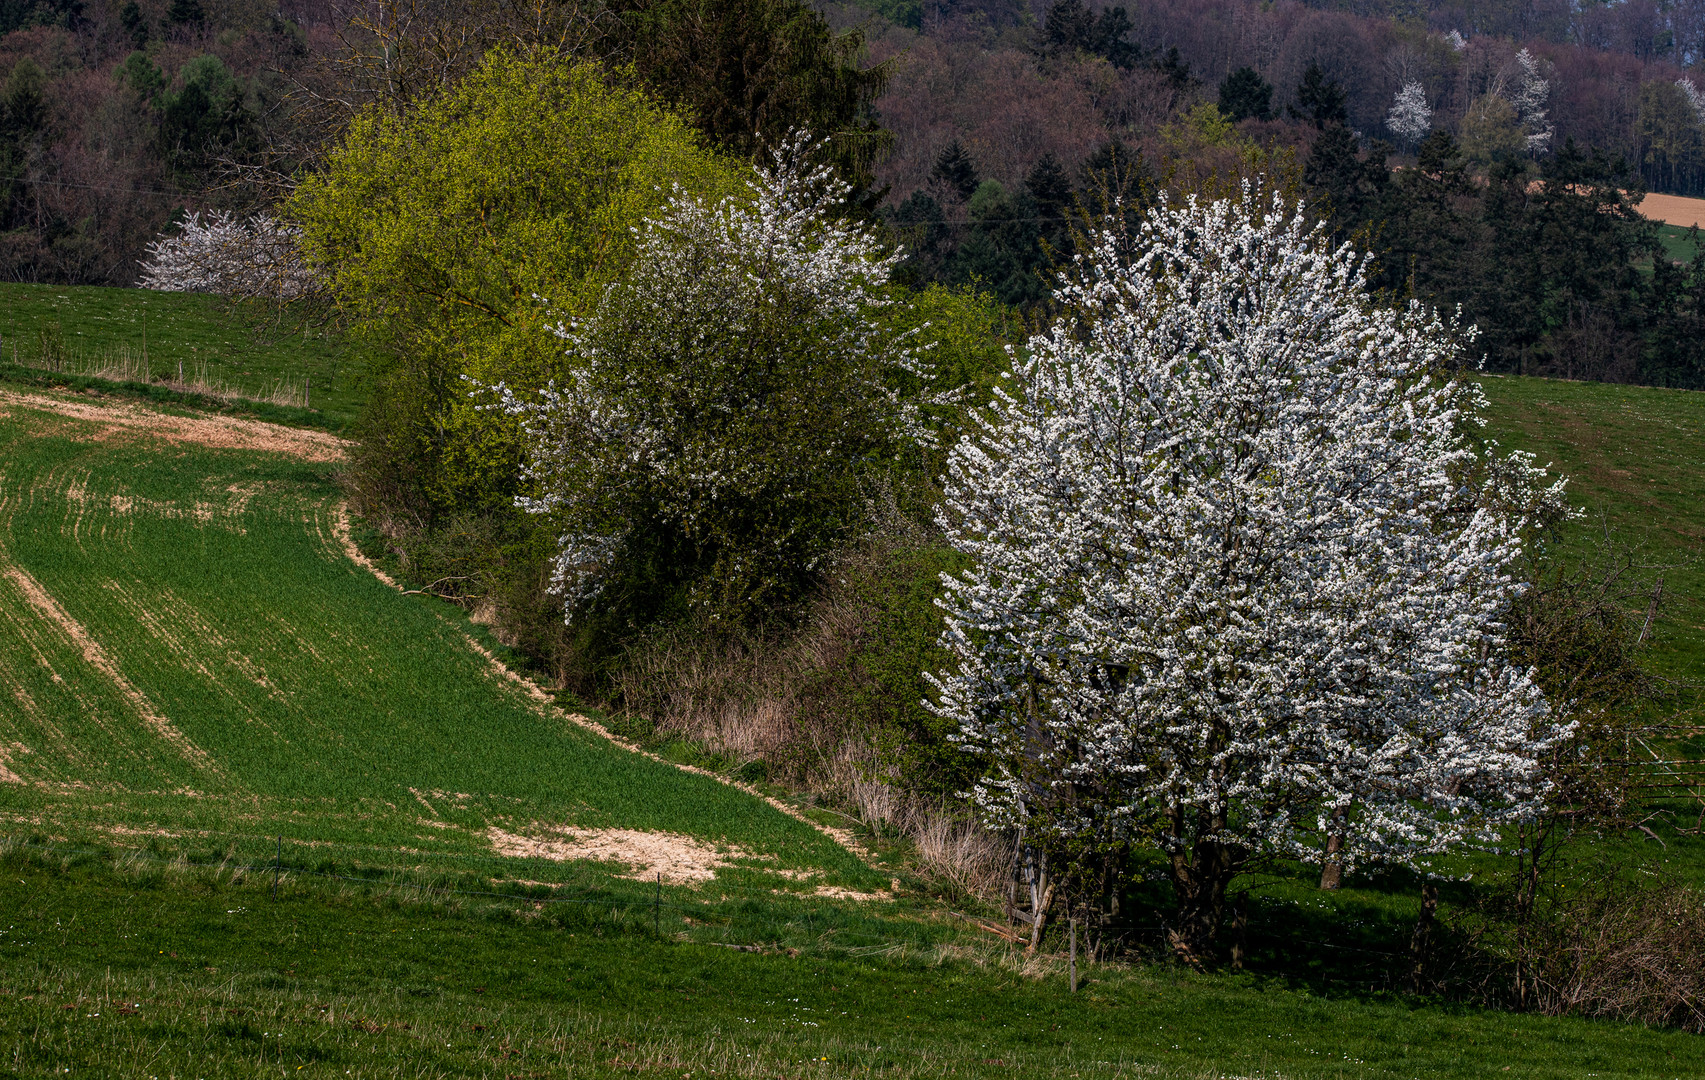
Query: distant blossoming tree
[(1410, 118), (1238, 567), (1695, 98), (246, 259), (1531, 98), (724, 397)]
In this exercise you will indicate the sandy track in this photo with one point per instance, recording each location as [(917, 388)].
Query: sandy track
[(219, 432)]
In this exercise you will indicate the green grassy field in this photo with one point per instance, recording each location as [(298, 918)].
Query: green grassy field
[(160, 335), (129, 970), (1635, 459), (1680, 244), (191, 655)]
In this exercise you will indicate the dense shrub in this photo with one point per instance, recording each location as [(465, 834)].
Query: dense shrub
[(455, 234)]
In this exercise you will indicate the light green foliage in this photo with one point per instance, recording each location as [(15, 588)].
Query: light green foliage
[(963, 332), (444, 228), (210, 664), (1491, 131)]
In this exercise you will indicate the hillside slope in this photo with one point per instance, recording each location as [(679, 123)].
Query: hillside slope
[(1635, 459), (192, 657)]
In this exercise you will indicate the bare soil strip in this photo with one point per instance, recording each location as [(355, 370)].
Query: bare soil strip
[(677, 859), (218, 432), (97, 658)]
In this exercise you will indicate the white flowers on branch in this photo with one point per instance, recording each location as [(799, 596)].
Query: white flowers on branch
[(245, 259), (1232, 588), (722, 399)]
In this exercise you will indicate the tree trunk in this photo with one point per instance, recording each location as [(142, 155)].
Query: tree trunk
[(1041, 885), (1200, 878), (1332, 870), (1421, 941)]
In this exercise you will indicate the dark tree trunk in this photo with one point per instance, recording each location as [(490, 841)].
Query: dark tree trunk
[(1200, 877), (1421, 941), (1332, 870)]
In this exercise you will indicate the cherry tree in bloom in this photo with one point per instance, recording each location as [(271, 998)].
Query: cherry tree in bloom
[(1410, 118), (1238, 566), (721, 398), (1530, 99), (252, 258)]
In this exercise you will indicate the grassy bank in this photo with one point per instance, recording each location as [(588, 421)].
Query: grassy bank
[(193, 655), (186, 339)]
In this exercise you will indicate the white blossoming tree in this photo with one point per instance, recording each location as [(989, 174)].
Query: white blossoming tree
[(245, 259), (1238, 568), (1531, 98), (724, 400), (1410, 118)]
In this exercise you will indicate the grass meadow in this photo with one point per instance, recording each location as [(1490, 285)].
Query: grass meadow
[(1635, 459), (118, 968), (189, 340), (193, 657), (196, 680)]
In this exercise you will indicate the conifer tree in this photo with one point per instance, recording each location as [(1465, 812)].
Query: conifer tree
[(955, 169), (1246, 95)]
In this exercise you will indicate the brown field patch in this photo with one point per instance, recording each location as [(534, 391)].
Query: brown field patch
[(217, 432), (678, 859), (1674, 210)]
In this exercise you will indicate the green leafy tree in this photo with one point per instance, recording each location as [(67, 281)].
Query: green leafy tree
[(1245, 95), (442, 228), (1672, 140), (205, 120), (1354, 187), (1491, 131), (955, 170), (704, 453), (23, 119), (134, 22)]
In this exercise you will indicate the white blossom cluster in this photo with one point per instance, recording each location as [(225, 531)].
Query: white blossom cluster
[(251, 258), (1410, 118), (737, 361), (1231, 579), (1695, 98)]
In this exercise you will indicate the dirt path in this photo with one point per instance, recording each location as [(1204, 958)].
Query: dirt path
[(219, 432)]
